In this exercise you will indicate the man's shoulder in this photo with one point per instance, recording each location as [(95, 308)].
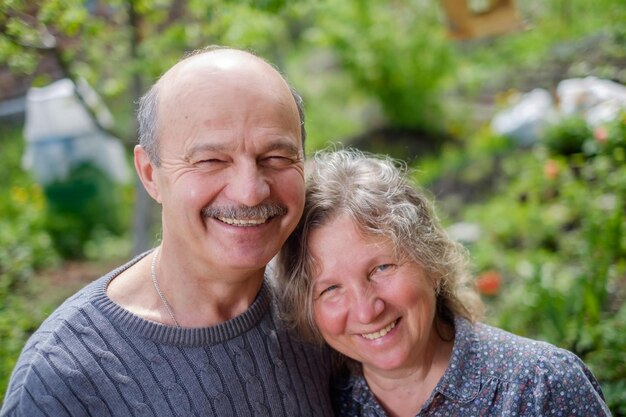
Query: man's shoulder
[(71, 312), (70, 308), (76, 310), (44, 356)]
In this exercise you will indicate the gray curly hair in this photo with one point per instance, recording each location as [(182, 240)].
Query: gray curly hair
[(377, 193)]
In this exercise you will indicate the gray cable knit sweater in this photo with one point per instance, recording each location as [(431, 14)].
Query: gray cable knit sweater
[(93, 358)]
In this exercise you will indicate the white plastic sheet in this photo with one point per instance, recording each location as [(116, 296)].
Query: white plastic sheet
[(61, 134), (526, 119), (595, 100)]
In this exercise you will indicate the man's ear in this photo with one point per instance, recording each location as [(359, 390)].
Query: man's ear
[(146, 173)]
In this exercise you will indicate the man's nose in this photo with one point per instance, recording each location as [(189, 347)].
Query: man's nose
[(248, 185), (367, 305)]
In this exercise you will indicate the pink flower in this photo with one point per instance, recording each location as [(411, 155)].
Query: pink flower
[(551, 169), (601, 134)]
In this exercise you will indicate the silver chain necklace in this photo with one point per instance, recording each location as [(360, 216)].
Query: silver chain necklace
[(158, 289)]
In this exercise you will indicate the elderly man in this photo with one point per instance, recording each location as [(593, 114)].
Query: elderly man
[(190, 328)]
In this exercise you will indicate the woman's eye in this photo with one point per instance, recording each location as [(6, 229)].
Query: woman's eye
[(327, 290), (382, 268)]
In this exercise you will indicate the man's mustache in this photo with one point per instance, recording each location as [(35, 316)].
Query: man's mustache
[(260, 211)]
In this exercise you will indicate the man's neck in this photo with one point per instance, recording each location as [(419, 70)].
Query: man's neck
[(196, 300), (208, 303)]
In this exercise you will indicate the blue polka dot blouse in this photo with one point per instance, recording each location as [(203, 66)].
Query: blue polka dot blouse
[(493, 373)]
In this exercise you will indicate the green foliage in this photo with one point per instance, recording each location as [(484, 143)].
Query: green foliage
[(86, 204), (96, 41), (470, 163), (607, 360), (25, 248), (609, 140), (567, 136), (18, 320), (395, 52), (26, 245), (569, 38), (555, 230), (81, 218)]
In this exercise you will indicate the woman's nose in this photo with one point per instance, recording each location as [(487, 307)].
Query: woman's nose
[(367, 306)]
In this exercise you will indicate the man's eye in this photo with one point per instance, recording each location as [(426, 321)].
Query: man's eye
[(210, 161), (277, 161)]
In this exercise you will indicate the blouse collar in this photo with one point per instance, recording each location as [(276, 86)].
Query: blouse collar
[(460, 381)]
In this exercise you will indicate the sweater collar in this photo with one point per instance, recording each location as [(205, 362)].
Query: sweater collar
[(170, 335)]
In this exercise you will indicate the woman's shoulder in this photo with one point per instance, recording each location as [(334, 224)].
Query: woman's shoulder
[(516, 357), (533, 363), (557, 377), (497, 340)]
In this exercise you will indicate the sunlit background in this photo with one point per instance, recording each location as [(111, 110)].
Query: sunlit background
[(513, 115)]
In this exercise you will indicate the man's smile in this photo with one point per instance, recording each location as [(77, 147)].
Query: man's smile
[(242, 222)]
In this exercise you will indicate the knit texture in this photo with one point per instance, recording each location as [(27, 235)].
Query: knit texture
[(91, 357)]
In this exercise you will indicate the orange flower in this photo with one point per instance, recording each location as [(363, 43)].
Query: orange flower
[(551, 169), (489, 283)]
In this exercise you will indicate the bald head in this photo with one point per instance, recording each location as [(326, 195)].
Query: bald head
[(213, 72)]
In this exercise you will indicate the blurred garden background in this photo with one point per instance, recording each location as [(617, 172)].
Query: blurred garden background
[(513, 115)]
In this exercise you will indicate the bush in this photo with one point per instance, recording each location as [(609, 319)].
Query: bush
[(397, 53), (25, 242), (567, 136), (80, 217), (81, 207), (555, 235), (26, 247)]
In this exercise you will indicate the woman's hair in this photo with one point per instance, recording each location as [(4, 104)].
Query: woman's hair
[(377, 193)]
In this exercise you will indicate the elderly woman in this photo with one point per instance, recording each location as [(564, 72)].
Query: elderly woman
[(371, 271)]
